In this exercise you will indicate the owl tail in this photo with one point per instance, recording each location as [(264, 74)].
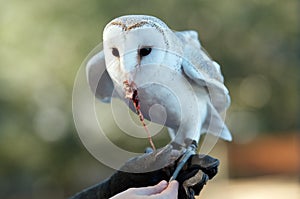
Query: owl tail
[(215, 125)]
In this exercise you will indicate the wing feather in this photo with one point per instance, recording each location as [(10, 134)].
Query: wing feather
[(200, 68), (98, 78)]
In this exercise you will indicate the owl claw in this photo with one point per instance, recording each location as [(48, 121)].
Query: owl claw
[(191, 150)]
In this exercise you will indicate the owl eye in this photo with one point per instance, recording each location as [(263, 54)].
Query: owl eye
[(115, 52), (144, 52)]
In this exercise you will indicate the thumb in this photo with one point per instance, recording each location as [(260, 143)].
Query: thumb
[(172, 188), (152, 189)]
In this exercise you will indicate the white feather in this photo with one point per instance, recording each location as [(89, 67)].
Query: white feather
[(179, 51)]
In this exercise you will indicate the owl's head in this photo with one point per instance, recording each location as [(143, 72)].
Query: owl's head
[(133, 41)]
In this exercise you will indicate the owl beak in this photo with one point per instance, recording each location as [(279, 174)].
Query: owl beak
[(128, 62)]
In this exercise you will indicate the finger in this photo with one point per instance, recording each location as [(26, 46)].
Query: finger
[(171, 191), (152, 189)]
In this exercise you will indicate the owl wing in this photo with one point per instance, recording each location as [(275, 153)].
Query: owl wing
[(98, 78), (200, 68)]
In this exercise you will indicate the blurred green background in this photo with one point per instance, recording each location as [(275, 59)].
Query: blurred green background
[(43, 43)]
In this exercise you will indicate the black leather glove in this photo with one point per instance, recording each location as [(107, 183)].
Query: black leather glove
[(160, 165), (197, 171)]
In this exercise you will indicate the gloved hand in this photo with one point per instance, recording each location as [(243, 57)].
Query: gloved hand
[(160, 165), (194, 175)]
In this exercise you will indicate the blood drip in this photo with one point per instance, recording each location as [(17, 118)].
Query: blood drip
[(132, 94)]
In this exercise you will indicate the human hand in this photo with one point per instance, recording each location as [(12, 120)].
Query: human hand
[(162, 190), (193, 176)]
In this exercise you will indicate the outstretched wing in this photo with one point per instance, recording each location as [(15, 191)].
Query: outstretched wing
[(98, 78), (200, 68)]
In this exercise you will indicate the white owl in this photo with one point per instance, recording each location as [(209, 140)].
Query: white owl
[(179, 76)]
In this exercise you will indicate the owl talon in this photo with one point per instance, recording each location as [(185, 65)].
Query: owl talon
[(191, 150)]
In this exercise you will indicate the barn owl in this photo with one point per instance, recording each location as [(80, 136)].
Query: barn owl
[(179, 75)]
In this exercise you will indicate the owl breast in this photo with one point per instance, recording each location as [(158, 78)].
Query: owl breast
[(160, 104)]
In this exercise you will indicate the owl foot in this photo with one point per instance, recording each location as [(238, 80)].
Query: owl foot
[(190, 150)]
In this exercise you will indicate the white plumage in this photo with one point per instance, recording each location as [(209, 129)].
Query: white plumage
[(167, 68)]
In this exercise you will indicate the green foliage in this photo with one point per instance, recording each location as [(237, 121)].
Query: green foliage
[(44, 42)]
